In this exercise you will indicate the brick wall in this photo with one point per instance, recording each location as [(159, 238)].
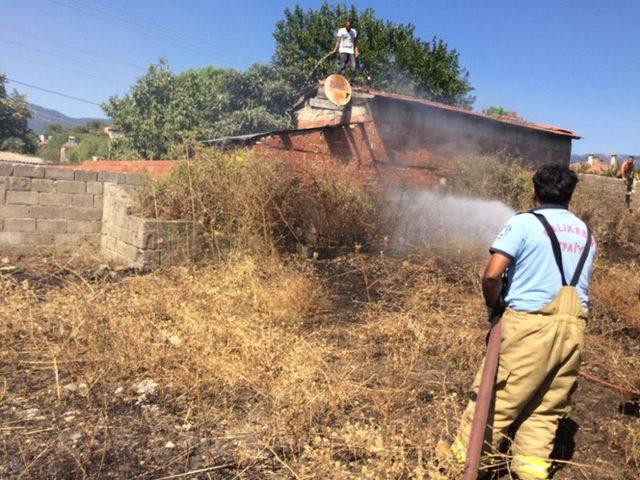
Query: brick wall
[(403, 142), (45, 208), (427, 137)]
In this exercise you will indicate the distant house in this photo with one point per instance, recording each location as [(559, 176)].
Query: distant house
[(595, 166), (43, 139), (70, 144), (112, 132)]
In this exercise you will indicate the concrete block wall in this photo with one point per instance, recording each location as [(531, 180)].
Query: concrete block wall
[(141, 242), (44, 208), (48, 207)]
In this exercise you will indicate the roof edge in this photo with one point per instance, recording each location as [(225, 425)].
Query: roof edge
[(443, 106)]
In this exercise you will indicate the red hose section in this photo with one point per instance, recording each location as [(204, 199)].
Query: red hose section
[(610, 386)]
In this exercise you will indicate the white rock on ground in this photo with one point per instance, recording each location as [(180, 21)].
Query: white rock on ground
[(146, 387)]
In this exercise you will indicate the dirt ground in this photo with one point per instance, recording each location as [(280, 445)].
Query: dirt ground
[(352, 367)]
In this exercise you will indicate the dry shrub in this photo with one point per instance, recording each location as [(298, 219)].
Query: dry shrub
[(612, 349), (500, 177), (251, 201), (272, 371), (615, 296), (224, 343)]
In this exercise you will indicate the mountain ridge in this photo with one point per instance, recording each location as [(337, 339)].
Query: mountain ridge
[(43, 116)]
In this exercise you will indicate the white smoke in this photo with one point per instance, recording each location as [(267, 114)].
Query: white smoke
[(427, 217)]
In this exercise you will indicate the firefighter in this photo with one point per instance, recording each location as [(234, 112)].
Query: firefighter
[(627, 173), (548, 254)]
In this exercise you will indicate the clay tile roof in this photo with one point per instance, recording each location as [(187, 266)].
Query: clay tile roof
[(442, 106)]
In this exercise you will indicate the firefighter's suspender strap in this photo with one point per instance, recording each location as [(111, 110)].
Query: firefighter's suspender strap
[(557, 252), (583, 259)]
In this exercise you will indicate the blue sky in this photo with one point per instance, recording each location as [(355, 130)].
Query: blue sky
[(568, 63)]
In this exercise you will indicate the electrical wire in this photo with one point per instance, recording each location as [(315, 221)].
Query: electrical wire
[(69, 59), (58, 67), (52, 91), (176, 33), (72, 47), (137, 28)]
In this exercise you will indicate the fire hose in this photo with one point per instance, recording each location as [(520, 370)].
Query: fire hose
[(610, 386)]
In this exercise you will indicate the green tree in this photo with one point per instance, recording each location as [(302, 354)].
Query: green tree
[(164, 112), (53, 128), (495, 111), (392, 57), (15, 134), (95, 125)]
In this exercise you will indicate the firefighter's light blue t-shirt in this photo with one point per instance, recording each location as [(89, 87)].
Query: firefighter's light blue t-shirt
[(534, 278)]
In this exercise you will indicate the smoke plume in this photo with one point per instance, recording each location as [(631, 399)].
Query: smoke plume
[(427, 217)]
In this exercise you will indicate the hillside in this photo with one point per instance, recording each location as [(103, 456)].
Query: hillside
[(44, 116)]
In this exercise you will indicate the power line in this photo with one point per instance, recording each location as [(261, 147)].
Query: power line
[(52, 92), (78, 72), (140, 29), (74, 60), (72, 47), (176, 33)]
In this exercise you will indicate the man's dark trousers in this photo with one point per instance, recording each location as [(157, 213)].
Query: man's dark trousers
[(348, 59)]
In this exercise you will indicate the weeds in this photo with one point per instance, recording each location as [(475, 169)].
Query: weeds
[(258, 204), (264, 365), (497, 177)]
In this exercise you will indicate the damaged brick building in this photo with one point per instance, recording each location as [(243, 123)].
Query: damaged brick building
[(402, 138)]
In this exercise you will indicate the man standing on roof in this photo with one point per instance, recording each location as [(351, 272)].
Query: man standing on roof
[(627, 173), (547, 253), (348, 49)]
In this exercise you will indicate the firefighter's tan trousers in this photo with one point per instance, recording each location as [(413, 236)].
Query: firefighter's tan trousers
[(539, 362)]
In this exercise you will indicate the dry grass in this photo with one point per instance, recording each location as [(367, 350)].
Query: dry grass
[(255, 203), (269, 366), (352, 369)]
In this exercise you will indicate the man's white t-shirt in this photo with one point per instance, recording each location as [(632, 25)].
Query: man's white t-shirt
[(347, 40)]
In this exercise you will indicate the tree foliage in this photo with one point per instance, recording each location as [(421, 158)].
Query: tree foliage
[(164, 110), (496, 111), (392, 57), (91, 144), (15, 134), (163, 114)]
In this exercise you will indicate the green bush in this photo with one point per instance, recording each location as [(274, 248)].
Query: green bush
[(89, 145)]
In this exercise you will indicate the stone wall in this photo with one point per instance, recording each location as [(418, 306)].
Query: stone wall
[(45, 208)]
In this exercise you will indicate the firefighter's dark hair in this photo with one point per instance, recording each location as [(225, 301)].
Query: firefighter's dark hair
[(554, 184)]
